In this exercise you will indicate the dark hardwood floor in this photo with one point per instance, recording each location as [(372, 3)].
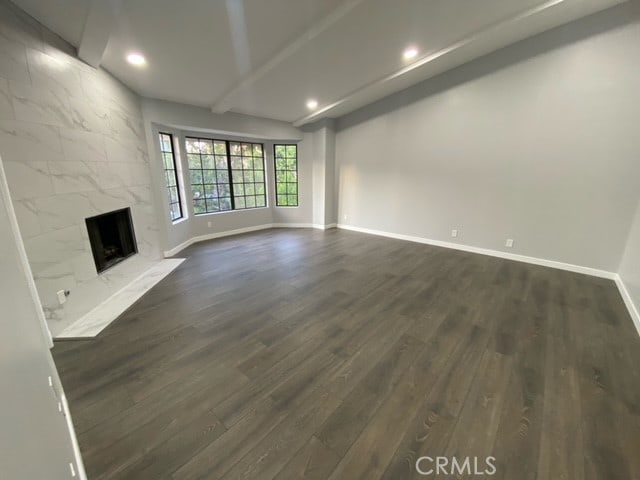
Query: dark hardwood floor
[(289, 354)]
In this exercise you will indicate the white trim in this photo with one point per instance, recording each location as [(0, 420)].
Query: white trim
[(293, 225), (210, 236), (100, 317), (628, 301), (82, 474), (633, 311), (22, 253), (485, 251)]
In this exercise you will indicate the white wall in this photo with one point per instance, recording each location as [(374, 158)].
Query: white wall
[(73, 144), (630, 266), (35, 441), (184, 120), (537, 142)]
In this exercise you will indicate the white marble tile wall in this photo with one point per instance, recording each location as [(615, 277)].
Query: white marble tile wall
[(73, 146)]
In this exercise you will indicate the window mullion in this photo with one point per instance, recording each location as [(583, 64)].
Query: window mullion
[(233, 202)]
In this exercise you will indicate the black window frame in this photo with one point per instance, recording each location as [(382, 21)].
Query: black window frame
[(167, 171), (275, 176), (234, 185)]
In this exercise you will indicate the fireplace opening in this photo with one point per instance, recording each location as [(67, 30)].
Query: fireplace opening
[(112, 238)]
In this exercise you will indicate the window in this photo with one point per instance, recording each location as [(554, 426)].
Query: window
[(171, 176), (247, 170), (286, 163), (225, 175)]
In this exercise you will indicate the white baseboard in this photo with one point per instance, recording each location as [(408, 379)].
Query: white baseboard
[(633, 311), (628, 301), (485, 251), (210, 236)]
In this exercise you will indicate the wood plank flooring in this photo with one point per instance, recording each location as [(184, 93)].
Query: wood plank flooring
[(300, 354)]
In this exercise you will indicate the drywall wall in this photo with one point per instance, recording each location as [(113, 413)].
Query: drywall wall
[(73, 145), (35, 440), (630, 266), (536, 142), (184, 120)]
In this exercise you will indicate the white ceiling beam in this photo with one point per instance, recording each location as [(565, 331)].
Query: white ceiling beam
[(100, 22), (225, 102), (320, 112)]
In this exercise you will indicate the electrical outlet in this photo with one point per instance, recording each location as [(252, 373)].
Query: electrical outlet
[(454, 233), (345, 217), (509, 243), (62, 296), (209, 224)]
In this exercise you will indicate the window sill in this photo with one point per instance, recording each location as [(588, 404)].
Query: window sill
[(226, 212), (180, 220)]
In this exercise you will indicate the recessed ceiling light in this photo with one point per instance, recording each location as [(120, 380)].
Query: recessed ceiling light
[(136, 59), (409, 53), (312, 104)]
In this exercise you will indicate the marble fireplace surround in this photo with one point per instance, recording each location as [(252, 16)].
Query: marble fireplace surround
[(73, 146)]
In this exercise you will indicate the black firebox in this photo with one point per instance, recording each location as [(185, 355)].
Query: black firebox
[(112, 238)]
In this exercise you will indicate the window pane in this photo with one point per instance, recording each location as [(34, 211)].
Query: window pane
[(251, 201), (240, 202), (236, 163), (196, 176), (199, 207), (173, 194), (194, 161), (169, 165), (222, 176), (237, 175), (286, 169), (261, 202), (208, 161), (192, 146), (210, 191), (168, 160), (224, 190), (209, 176), (198, 191), (176, 212), (225, 203), (220, 148), (221, 162), (257, 150)]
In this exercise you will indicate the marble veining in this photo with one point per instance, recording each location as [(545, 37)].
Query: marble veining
[(100, 317), (73, 146)]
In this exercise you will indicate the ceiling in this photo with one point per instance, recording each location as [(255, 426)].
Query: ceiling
[(268, 57)]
